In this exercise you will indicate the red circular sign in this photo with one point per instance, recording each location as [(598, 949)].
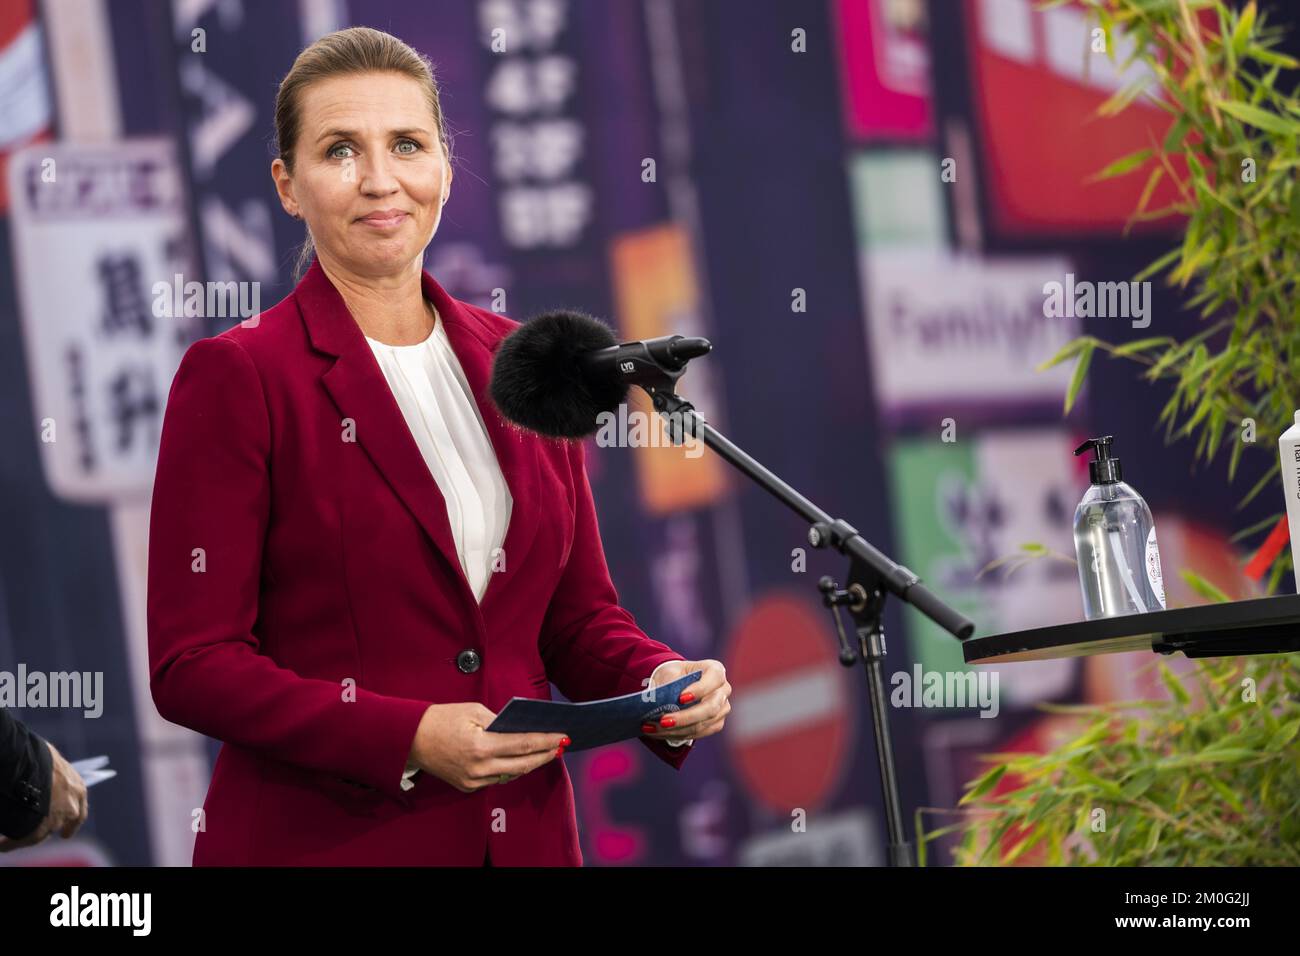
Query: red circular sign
[(789, 727)]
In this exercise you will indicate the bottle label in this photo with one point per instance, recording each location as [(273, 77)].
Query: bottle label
[(1154, 576)]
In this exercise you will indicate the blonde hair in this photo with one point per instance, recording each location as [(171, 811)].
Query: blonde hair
[(351, 51)]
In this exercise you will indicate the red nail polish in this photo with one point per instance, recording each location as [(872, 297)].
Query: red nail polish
[(559, 752), (648, 728), (565, 742), (668, 721), (686, 697)]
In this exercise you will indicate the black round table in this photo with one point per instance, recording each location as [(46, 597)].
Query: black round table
[(1269, 625)]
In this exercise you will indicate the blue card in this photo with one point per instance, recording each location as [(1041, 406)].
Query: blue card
[(593, 723)]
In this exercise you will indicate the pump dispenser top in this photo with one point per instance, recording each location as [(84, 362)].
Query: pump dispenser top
[(1102, 470)]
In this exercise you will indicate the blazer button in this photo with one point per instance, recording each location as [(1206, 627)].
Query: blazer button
[(468, 661)]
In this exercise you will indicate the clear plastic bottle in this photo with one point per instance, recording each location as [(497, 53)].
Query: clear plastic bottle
[(1115, 541)]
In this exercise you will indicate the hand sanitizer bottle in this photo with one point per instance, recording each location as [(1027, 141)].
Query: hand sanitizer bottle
[(1115, 540)]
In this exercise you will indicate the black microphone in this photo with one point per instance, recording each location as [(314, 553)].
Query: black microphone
[(558, 372)]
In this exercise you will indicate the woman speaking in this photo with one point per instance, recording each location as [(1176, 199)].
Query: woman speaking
[(353, 561)]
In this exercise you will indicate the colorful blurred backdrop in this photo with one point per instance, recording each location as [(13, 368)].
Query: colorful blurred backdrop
[(858, 201)]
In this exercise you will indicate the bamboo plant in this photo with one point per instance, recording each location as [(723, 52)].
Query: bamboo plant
[(1232, 155), (1210, 776)]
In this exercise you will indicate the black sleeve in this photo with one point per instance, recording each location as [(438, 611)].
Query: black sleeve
[(26, 775)]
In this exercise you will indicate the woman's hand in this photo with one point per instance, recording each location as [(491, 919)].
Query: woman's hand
[(452, 744), (701, 719)]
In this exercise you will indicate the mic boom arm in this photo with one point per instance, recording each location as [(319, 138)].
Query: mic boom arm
[(684, 420)]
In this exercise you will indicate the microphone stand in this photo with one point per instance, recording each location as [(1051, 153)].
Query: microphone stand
[(872, 575)]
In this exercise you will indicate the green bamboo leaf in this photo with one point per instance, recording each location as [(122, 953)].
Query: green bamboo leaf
[(1169, 412), (1283, 736), (1140, 345), (1071, 348), (1164, 212), (1044, 805), (1119, 101), (1218, 754), (1269, 56), (1265, 480), (1139, 784), (1263, 119), (1158, 265), (1234, 459), (1079, 377), (994, 846), (1280, 568), (1222, 200), (1174, 138), (1174, 685), (1265, 525), (1027, 843), (1224, 755), (1121, 166), (1108, 787), (1218, 419), (1157, 172), (1204, 588), (1233, 800), (1264, 86), (1241, 33), (1191, 263), (924, 839), (984, 784), (1154, 838)]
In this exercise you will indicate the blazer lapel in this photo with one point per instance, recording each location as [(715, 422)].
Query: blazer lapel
[(359, 390)]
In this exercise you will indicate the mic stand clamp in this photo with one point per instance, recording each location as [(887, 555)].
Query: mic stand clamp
[(865, 600)]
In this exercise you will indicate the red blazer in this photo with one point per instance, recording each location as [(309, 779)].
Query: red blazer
[(306, 603)]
